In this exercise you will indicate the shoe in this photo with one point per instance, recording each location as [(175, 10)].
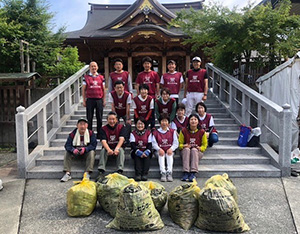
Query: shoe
[(66, 177), (1, 186), (163, 177), (100, 176), (120, 171), (191, 177), (88, 176), (185, 176), (144, 178), (138, 178), (169, 177)]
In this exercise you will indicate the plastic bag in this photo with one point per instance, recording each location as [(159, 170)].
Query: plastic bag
[(183, 204), (108, 191), (219, 212), (158, 194), (82, 198), (223, 181), (295, 156), (136, 210)]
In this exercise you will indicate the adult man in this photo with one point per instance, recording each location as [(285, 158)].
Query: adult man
[(81, 144), (112, 137), (148, 77), (120, 101), (172, 80), (196, 86), (93, 95), (119, 74)]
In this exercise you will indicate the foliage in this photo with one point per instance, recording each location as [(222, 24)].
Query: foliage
[(231, 35)]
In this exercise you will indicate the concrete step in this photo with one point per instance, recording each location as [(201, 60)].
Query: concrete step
[(233, 170)]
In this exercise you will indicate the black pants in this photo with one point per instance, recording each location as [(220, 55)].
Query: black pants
[(141, 165), (91, 105)]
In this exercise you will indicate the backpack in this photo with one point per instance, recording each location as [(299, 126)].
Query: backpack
[(244, 134)]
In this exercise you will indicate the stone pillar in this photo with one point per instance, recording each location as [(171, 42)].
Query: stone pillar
[(164, 64), (106, 70)]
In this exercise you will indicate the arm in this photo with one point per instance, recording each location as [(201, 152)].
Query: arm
[(83, 95), (175, 142), (181, 141), (128, 120), (186, 86), (157, 89), (156, 110), (173, 113), (119, 145), (109, 84), (93, 143), (130, 90), (204, 143), (205, 89), (104, 95), (106, 147), (148, 115), (69, 144)]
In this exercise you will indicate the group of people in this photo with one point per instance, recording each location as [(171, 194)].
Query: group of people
[(187, 127)]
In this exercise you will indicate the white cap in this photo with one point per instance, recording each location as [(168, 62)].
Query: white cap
[(196, 59)]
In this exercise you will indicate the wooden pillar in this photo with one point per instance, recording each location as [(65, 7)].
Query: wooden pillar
[(164, 64), (129, 62), (187, 62), (106, 70)]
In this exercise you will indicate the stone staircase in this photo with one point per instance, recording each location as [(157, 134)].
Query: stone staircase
[(225, 156)]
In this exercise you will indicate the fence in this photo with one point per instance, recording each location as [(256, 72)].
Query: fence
[(251, 108), (44, 118)]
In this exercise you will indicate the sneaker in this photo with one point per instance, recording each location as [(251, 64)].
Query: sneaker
[(1, 186), (100, 176), (144, 178), (192, 176), (88, 175), (163, 177), (138, 178), (120, 171), (169, 177), (185, 176), (66, 177)]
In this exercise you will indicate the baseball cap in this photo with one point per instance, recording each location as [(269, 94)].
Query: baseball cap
[(196, 59), (82, 119)]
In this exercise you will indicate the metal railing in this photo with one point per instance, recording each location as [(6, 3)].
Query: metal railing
[(248, 106), (54, 107)]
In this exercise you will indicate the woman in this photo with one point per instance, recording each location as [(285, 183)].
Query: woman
[(165, 142), (207, 123), (141, 146), (192, 143), (165, 104)]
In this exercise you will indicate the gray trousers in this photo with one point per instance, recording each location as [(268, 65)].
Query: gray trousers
[(89, 160), (190, 159), (103, 159)]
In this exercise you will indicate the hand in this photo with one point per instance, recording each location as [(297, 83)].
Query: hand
[(144, 156), (84, 103), (169, 151), (82, 151), (199, 148), (161, 152), (110, 152), (75, 151), (204, 98), (116, 151), (186, 146), (104, 103), (128, 121)]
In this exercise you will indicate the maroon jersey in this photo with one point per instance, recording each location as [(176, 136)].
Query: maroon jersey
[(94, 86), (196, 80), (165, 108), (193, 139), (150, 78), (120, 103), (112, 135), (142, 107), (141, 140), (164, 140), (172, 82), (115, 76), (204, 124), (180, 125)]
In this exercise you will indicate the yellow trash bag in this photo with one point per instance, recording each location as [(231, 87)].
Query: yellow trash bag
[(223, 181), (82, 198), (158, 193), (218, 211), (108, 191), (183, 204), (136, 211)]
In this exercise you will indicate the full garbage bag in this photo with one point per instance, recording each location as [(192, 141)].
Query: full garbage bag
[(218, 211), (82, 198), (183, 204), (136, 211), (108, 191), (158, 193)]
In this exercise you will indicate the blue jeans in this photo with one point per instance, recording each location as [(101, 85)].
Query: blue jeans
[(213, 138)]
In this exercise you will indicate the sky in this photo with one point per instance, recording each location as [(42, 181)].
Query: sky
[(73, 13)]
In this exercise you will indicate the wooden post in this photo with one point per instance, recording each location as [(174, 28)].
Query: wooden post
[(164, 64)]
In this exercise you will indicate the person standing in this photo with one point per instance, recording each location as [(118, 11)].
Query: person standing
[(93, 95), (172, 80), (119, 74), (196, 86)]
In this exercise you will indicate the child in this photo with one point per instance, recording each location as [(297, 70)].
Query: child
[(143, 105), (165, 104), (119, 74), (192, 143), (180, 121), (141, 146), (165, 142)]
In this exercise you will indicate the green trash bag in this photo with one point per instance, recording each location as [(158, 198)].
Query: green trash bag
[(82, 198), (158, 194), (218, 211), (108, 191), (136, 211), (183, 204), (223, 181)]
